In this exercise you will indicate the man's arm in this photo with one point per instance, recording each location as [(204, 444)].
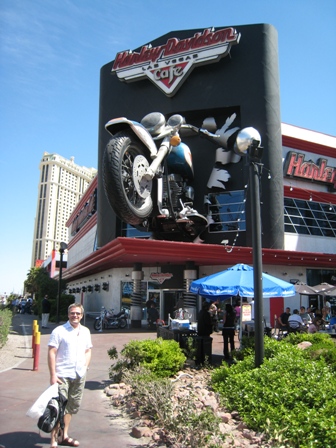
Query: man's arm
[(52, 365), (281, 323), (88, 357)]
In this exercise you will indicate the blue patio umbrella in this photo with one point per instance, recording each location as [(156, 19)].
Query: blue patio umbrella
[(238, 281)]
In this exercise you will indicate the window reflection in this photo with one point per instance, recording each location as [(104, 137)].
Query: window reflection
[(309, 218), (226, 211)]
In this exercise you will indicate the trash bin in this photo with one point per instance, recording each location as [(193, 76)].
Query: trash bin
[(203, 349)]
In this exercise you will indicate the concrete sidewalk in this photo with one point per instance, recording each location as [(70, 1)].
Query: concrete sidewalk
[(93, 425)]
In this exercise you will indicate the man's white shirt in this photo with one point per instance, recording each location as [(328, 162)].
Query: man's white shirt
[(71, 344)]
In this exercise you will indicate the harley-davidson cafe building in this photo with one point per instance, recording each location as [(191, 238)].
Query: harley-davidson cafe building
[(230, 75)]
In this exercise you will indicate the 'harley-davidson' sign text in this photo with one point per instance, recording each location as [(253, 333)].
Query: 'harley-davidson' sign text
[(168, 65), (160, 277), (296, 166)]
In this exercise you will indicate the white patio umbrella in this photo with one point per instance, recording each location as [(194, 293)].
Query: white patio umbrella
[(322, 287), (304, 290), (330, 292)]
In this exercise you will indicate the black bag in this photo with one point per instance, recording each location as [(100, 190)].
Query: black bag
[(53, 414)]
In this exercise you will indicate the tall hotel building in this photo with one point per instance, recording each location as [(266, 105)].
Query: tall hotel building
[(62, 184)]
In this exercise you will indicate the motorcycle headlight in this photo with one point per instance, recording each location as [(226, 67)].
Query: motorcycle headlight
[(246, 138)]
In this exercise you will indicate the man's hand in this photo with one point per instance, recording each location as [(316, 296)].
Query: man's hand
[(54, 379)]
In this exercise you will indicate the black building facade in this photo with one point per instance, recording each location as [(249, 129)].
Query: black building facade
[(228, 73)]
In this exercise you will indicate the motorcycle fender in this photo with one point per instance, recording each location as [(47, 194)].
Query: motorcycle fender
[(117, 124)]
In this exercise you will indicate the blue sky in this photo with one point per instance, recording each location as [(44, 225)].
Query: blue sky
[(51, 53)]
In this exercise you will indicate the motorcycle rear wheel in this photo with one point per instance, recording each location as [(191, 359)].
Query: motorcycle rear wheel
[(120, 181), (122, 323), (97, 324)]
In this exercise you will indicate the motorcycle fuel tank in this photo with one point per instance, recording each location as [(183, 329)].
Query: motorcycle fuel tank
[(179, 161)]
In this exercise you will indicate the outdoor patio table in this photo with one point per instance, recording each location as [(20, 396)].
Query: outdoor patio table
[(331, 333)]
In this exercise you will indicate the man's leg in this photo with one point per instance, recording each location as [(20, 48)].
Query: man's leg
[(226, 344), (67, 420), (232, 343), (73, 390), (65, 433), (57, 435), (54, 435)]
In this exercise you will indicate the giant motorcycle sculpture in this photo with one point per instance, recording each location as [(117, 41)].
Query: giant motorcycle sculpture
[(147, 171)]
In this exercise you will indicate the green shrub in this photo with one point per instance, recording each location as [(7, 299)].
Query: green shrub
[(290, 397), (321, 351), (323, 347), (5, 323), (315, 338), (190, 348), (163, 358)]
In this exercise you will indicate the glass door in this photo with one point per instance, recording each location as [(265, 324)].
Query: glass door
[(170, 300)]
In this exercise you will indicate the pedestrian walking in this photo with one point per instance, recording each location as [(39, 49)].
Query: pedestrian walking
[(45, 311)]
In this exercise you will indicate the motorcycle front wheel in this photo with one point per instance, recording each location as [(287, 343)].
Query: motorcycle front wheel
[(97, 324), (122, 323), (129, 194)]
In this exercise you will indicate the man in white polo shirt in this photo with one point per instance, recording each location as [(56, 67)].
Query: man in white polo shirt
[(69, 357), (295, 321)]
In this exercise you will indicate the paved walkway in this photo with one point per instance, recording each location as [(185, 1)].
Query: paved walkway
[(92, 426)]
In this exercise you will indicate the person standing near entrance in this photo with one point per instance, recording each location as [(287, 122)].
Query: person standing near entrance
[(45, 311), (152, 316), (213, 310), (204, 321), (69, 356), (228, 330)]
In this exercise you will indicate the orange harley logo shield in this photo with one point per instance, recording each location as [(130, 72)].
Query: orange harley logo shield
[(168, 65)]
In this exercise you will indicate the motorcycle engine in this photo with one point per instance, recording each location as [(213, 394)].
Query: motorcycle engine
[(179, 221), (178, 190)]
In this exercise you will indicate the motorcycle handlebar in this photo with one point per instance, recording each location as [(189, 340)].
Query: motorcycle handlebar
[(209, 134), (197, 130)]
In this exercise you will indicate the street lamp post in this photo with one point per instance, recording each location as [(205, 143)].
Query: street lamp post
[(63, 247), (248, 143), (254, 176)]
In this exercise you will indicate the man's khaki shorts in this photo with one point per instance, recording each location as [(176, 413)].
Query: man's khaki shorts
[(72, 389)]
